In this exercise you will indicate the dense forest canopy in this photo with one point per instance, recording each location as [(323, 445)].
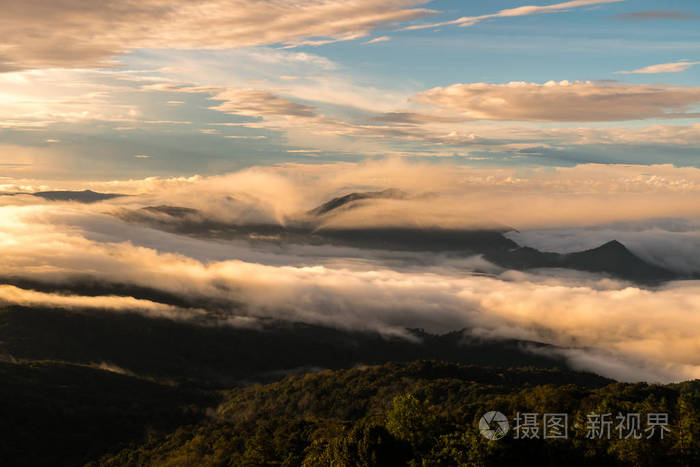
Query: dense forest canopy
[(418, 413)]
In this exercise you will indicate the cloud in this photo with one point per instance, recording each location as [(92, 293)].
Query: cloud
[(30, 298), (274, 56), (584, 195), (563, 101), (257, 103), (441, 130), (378, 39), (649, 333), (611, 326), (677, 135), (80, 33), (36, 99), (524, 10), (672, 67), (635, 16), (349, 119)]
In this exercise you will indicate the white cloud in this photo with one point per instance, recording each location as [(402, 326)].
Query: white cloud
[(518, 11), (672, 67), (378, 39)]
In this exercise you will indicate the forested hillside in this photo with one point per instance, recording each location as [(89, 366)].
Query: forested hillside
[(425, 413)]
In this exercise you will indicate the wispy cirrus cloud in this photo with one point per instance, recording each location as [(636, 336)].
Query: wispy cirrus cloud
[(378, 39), (648, 15), (671, 67), (79, 33), (524, 10)]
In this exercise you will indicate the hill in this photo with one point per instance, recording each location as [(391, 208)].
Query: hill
[(425, 413)]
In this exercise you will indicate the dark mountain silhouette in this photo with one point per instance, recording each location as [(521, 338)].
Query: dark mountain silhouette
[(218, 356), (85, 196), (173, 211), (612, 258), (418, 239), (347, 200)]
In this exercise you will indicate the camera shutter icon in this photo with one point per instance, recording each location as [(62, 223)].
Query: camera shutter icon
[(493, 425)]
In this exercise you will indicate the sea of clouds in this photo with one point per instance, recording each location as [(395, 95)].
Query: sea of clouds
[(616, 328)]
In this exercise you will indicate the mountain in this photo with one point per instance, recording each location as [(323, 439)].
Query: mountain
[(612, 258), (461, 241), (64, 415), (218, 356), (429, 413), (173, 211), (349, 199), (85, 196)]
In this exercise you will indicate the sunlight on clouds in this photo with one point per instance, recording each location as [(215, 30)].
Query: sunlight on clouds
[(563, 101), (30, 298), (43, 97), (647, 331), (195, 89), (512, 12), (91, 33), (582, 195), (673, 67)]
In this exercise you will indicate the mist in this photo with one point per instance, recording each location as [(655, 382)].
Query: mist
[(614, 327)]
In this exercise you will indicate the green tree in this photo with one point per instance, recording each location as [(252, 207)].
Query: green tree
[(412, 421)]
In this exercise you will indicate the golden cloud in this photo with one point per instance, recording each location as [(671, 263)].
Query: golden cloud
[(564, 101), (84, 33), (633, 332)]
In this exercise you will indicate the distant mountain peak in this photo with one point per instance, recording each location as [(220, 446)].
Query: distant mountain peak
[(345, 200), (616, 258), (612, 244), (84, 196), (611, 247), (172, 211)]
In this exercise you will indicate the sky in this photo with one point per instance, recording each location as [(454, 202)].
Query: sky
[(155, 88), (571, 123)]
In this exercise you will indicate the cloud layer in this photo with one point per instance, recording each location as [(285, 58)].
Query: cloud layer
[(563, 101), (606, 325), (654, 331)]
